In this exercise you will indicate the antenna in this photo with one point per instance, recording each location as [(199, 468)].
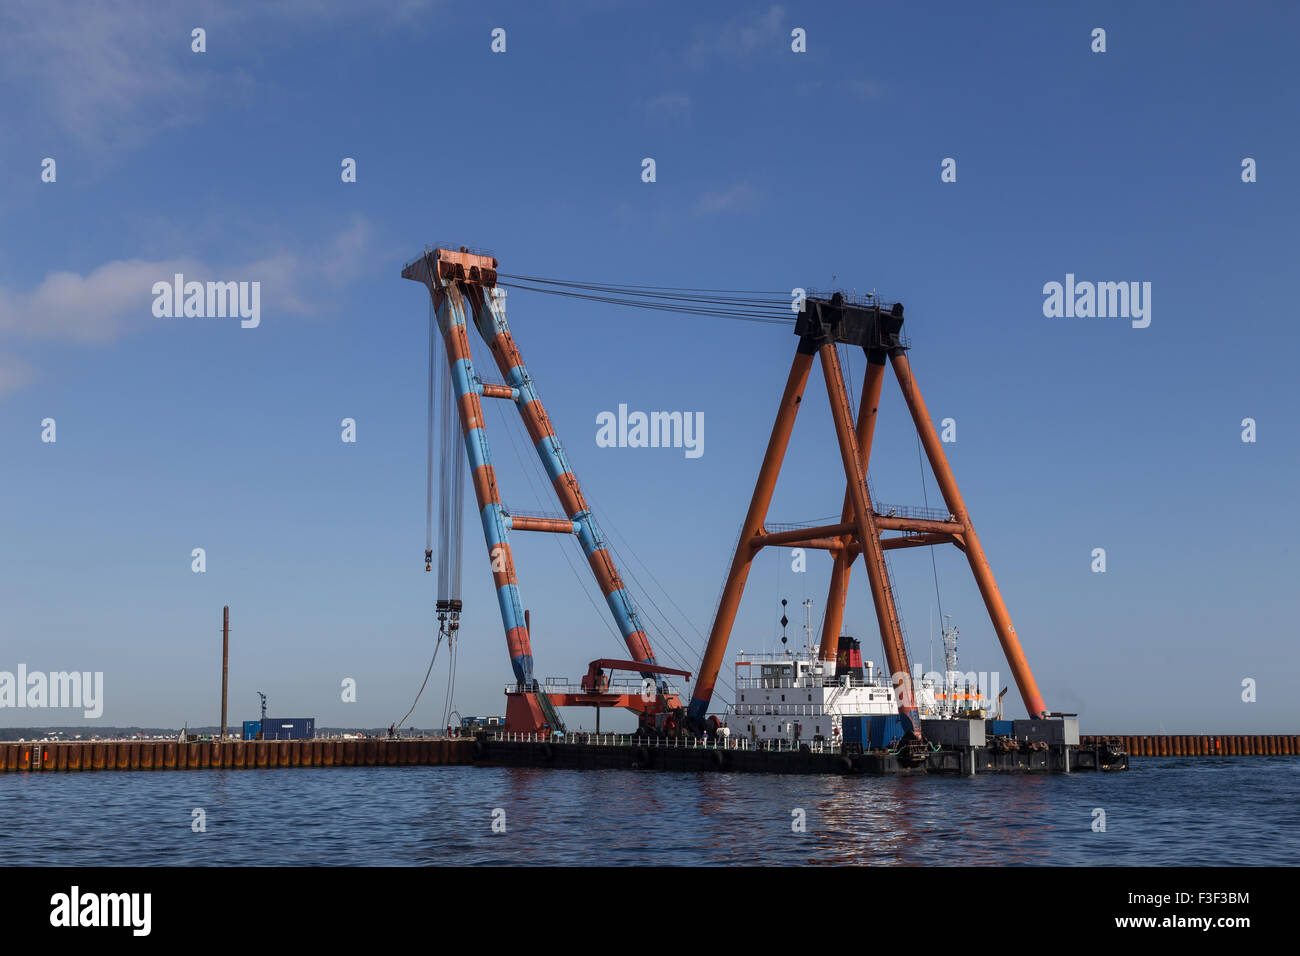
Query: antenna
[(807, 625)]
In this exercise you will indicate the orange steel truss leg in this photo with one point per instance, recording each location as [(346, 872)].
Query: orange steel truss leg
[(745, 551), (867, 408), (974, 552), (891, 632)]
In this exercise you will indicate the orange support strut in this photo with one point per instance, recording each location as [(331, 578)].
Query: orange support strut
[(979, 564), (758, 505), (882, 595), (867, 408)]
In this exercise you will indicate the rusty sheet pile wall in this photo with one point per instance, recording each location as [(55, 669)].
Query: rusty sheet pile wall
[(235, 755), (1202, 745)]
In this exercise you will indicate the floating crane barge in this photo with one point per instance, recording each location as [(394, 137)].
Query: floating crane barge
[(862, 722)]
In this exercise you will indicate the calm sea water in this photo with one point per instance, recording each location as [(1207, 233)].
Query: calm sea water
[(1208, 811)]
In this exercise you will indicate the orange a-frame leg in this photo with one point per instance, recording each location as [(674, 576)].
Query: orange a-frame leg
[(891, 630), (757, 514), (979, 564), (867, 408)]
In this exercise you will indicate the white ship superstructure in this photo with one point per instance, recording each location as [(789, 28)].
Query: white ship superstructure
[(795, 697)]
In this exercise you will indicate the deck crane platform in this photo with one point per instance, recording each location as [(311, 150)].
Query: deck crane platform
[(463, 287), (866, 323), (595, 690)]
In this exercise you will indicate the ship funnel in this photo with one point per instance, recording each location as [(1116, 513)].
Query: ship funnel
[(848, 658)]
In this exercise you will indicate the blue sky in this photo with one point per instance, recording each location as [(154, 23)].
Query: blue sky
[(774, 170)]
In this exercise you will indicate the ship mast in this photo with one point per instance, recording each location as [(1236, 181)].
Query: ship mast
[(807, 626), (949, 662)]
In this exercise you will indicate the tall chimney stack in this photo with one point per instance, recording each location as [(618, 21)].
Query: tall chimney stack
[(225, 663)]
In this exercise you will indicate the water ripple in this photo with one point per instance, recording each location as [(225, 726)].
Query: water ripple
[(1208, 811)]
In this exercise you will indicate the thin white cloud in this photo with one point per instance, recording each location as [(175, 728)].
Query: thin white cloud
[(115, 73), (350, 252), (866, 89), (116, 299), (99, 306), (740, 197), (668, 104), (15, 373), (107, 74), (741, 38)]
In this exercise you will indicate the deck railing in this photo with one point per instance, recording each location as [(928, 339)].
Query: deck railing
[(680, 742)]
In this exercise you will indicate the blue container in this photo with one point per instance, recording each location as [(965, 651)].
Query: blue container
[(251, 729), (854, 729), (998, 728), (873, 733), (884, 730), (289, 728)]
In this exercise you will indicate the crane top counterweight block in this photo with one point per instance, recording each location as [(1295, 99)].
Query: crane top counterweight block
[(870, 324)]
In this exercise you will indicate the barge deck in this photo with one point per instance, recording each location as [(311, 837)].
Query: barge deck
[(622, 752)]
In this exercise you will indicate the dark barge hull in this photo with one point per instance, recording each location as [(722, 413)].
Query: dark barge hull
[(585, 756)]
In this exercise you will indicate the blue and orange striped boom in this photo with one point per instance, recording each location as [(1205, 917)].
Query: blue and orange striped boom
[(462, 285)]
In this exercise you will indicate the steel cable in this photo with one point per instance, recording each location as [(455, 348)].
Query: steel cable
[(770, 317)]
